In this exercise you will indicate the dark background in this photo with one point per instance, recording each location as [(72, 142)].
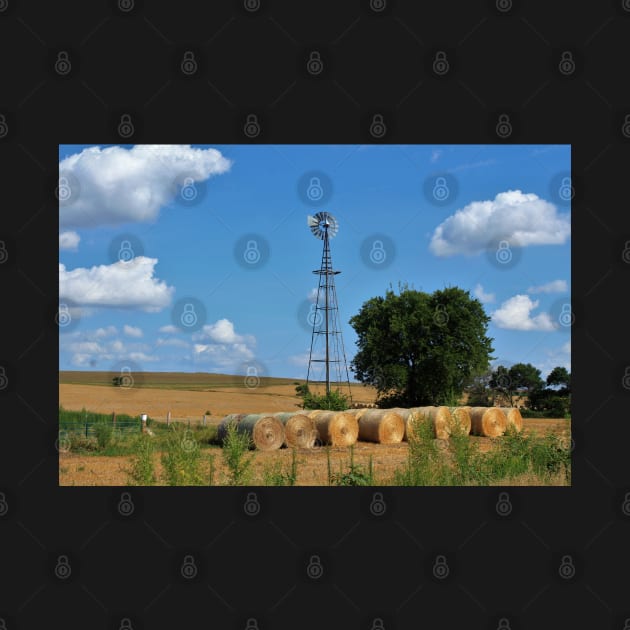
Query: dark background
[(377, 572)]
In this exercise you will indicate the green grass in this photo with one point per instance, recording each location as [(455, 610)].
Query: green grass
[(275, 474), (354, 475), (462, 464), (238, 460)]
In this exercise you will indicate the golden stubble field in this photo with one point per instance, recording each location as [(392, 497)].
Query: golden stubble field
[(221, 395)]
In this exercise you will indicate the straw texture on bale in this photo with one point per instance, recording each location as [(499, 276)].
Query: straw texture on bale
[(384, 426), (223, 425), (513, 416), (461, 416), (357, 413), (337, 428), (487, 421), (267, 432), (439, 416), (299, 429)]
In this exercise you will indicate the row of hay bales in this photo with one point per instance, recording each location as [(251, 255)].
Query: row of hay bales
[(305, 429)]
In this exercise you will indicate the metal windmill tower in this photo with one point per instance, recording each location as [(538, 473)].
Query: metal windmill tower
[(327, 347)]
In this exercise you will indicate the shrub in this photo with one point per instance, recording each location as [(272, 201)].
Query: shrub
[(142, 472), (181, 461), (236, 445)]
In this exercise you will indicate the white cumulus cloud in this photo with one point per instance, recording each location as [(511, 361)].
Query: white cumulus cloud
[(221, 346), (118, 185), (132, 331), (69, 240), (522, 218), (123, 284), (555, 286), (222, 331), (482, 296), (97, 348), (516, 314)]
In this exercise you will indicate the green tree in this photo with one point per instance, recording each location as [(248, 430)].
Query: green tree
[(418, 348), (501, 384), (525, 378), (559, 376)]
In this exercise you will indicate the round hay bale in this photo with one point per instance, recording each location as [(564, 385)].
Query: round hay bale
[(267, 433), (514, 418), (337, 428), (357, 413), (487, 421), (381, 425), (439, 416), (461, 417), (223, 425), (299, 429)]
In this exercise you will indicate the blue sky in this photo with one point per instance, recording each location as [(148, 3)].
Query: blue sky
[(187, 213)]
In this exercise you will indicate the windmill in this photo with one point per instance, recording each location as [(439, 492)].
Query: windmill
[(326, 340)]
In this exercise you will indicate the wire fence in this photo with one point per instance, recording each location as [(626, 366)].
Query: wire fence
[(90, 427)]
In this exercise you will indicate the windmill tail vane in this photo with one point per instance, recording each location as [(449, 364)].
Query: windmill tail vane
[(327, 357)]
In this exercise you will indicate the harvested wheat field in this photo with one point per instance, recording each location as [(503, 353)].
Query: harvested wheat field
[(97, 470), (189, 397)]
